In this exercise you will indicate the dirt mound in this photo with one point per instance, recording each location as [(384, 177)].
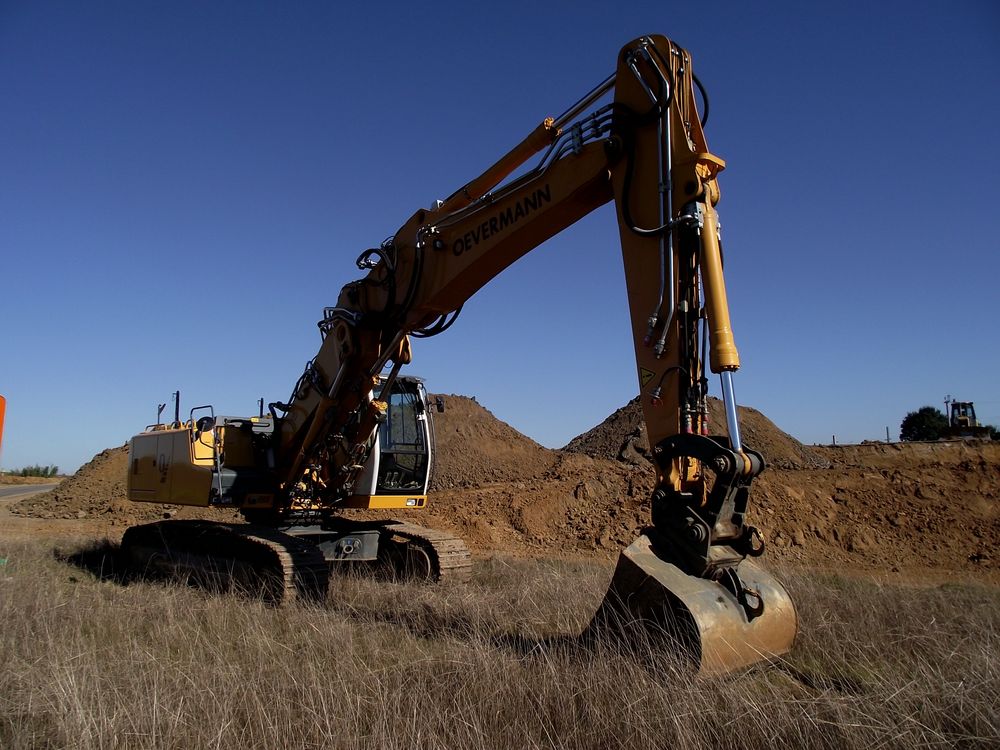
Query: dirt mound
[(581, 507), (98, 487), (97, 490), (613, 438), (902, 507), (902, 515), (474, 448), (622, 436), (888, 507)]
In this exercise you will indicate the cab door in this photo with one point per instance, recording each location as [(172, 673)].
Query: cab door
[(404, 440)]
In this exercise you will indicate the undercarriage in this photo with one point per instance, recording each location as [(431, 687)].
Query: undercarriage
[(292, 563)]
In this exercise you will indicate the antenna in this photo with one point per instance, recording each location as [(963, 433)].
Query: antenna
[(159, 411), (177, 407)]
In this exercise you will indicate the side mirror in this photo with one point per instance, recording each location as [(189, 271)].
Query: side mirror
[(439, 404)]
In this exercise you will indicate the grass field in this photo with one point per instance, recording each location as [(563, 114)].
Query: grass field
[(86, 663), (17, 479)]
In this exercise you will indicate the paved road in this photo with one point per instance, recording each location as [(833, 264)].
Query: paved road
[(17, 490)]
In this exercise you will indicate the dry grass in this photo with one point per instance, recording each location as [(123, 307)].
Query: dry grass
[(6, 479), (86, 663)]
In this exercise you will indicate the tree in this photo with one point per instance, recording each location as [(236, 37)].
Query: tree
[(926, 423), (37, 471)]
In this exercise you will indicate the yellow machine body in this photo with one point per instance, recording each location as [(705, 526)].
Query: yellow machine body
[(226, 461), (164, 468)]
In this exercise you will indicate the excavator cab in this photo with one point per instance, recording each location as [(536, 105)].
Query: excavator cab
[(397, 472), (962, 422), (963, 414)]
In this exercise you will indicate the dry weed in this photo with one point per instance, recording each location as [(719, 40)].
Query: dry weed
[(87, 662)]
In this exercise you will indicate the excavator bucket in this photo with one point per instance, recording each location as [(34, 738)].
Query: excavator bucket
[(700, 617)]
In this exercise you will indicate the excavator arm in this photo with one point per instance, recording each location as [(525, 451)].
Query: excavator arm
[(649, 137), (646, 151), (419, 282)]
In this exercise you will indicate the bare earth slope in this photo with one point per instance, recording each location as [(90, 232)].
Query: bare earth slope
[(474, 448), (901, 507), (97, 491), (613, 437)]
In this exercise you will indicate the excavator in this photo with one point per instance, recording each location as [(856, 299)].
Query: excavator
[(356, 433)]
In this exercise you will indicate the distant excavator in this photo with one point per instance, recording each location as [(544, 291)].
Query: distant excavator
[(355, 433), (962, 422)]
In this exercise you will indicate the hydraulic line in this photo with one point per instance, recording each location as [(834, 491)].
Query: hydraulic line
[(442, 324), (664, 168), (598, 91), (704, 99), (599, 126), (365, 262), (665, 242)]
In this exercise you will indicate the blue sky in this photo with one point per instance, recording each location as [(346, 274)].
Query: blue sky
[(185, 185)]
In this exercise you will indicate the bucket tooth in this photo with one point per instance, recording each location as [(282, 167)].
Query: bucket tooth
[(701, 617)]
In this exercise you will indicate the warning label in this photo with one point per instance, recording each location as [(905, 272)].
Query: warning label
[(645, 376)]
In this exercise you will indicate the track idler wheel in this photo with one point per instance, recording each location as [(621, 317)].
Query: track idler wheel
[(409, 560)]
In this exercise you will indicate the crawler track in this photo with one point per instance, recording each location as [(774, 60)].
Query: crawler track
[(448, 557), (261, 561), (280, 567)]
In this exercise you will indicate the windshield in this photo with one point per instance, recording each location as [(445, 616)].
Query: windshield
[(403, 441)]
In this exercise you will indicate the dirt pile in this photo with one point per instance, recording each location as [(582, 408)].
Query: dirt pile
[(97, 488), (877, 506), (901, 514), (97, 491), (888, 507), (581, 507), (902, 507), (474, 448), (622, 436)]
